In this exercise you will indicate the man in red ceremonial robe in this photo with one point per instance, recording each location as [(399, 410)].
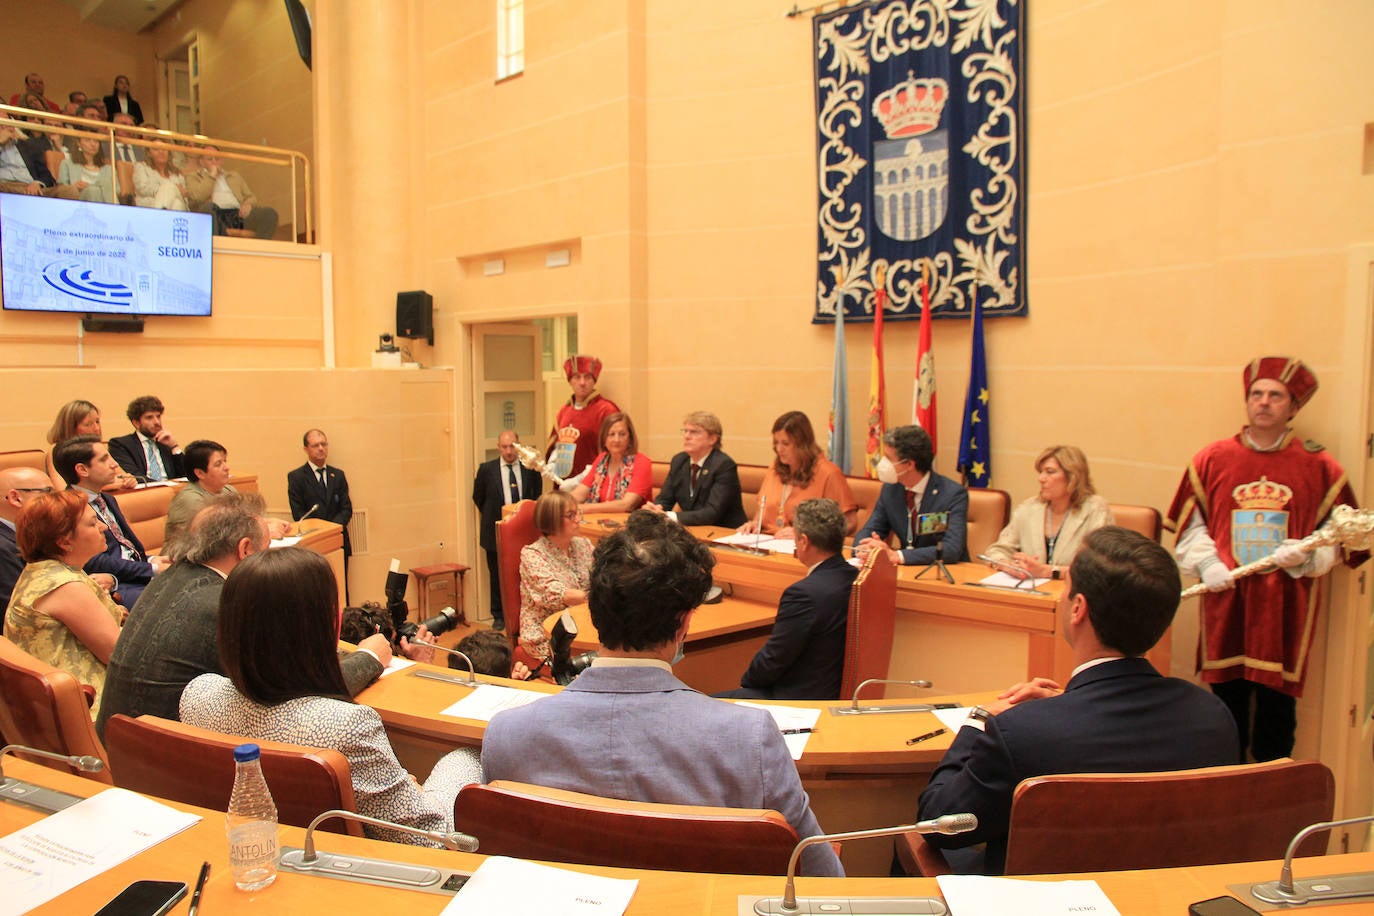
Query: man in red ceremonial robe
[(584, 412), (1254, 495)]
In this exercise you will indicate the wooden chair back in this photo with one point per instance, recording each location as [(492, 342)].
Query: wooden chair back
[(24, 458), (45, 707), (1145, 519), (1114, 821), (512, 534), (865, 491), (988, 513), (750, 482), (872, 617), (146, 512), (124, 179), (533, 822), (195, 766)]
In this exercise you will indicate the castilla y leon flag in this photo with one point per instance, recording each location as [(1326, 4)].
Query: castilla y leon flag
[(877, 390), (923, 397)]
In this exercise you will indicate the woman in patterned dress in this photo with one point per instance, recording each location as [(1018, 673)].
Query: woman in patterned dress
[(57, 613), (554, 572)]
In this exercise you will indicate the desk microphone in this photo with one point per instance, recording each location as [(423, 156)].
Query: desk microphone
[(472, 673), (758, 522), (788, 905), (460, 842), (40, 798), (1325, 889), (313, 509), (83, 762)]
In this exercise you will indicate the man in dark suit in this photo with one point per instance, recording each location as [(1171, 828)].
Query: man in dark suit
[(85, 463), (150, 452), (500, 482), (702, 486), (804, 656), (17, 486), (911, 489), (317, 486), (1117, 714)]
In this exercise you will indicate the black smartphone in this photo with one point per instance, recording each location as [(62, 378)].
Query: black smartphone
[(145, 898), (1221, 906)]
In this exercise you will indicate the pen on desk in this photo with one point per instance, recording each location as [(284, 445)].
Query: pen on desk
[(200, 886), (797, 731), (928, 735)]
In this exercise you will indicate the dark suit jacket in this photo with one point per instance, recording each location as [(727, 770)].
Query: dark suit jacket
[(112, 108), (1117, 717), (804, 656), (303, 491), (173, 640), (489, 495), (33, 150), (11, 565), (717, 500), (941, 495), (128, 451), (133, 575)]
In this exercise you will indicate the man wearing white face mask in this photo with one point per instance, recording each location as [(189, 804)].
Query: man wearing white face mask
[(911, 489)]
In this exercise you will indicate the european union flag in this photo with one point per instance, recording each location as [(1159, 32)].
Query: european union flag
[(975, 443)]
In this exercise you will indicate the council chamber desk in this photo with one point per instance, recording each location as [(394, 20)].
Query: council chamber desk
[(1166, 892)]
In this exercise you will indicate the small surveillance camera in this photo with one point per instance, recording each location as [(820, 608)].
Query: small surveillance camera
[(386, 343)]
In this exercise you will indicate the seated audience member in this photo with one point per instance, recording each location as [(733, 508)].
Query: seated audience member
[(57, 613), (119, 101), (284, 684), (76, 100), (702, 486), (150, 452), (628, 729), (620, 478), (207, 462), (35, 86), (88, 172), (803, 658), (490, 653), (157, 184), (171, 640), (553, 573), (23, 170), (86, 464), (225, 194), (18, 486), (125, 151), (1117, 714), (368, 619), (1045, 530), (800, 472), (911, 488), (77, 418)]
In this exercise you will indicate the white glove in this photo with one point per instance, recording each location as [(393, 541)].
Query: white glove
[(569, 484), (1290, 555), (1216, 577)]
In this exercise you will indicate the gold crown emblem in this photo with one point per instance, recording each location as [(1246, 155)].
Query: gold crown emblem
[(1262, 494), (911, 108), (569, 434)]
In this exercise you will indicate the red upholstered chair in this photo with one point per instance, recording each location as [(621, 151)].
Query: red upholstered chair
[(512, 533), (533, 822), (195, 766), (1118, 821), (46, 708), (872, 617)]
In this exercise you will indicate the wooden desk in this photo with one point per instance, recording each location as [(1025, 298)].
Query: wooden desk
[(1165, 892)]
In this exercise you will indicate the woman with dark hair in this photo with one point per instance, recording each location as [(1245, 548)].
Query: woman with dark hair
[(76, 418), (1046, 530), (800, 472), (278, 632), (554, 572), (120, 100), (57, 613), (620, 479), (88, 171)]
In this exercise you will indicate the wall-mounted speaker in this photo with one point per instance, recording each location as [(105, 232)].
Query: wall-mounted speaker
[(415, 316)]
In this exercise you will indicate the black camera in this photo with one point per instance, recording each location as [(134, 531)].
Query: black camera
[(567, 666), (396, 582)]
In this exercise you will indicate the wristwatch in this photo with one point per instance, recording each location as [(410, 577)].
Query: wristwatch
[(1056, 573), (980, 714)]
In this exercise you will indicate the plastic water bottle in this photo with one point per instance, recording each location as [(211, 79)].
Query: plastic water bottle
[(252, 823)]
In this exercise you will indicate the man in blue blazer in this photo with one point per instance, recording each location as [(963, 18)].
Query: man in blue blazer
[(149, 439), (1117, 714), (86, 464), (910, 489), (803, 658), (702, 486), (628, 729), (500, 482)]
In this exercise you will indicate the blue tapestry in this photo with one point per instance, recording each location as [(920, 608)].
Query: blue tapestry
[(920, 157)]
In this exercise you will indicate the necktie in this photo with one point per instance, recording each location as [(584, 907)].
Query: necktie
[(106, 516), (696, 470), (324, 483), (154, 466), (910, 522), (514, 484)]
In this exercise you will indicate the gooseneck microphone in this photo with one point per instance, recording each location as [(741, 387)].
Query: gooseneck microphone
[(1325, 889), (460, 842), (854, 709), (472, 673), (947, 824), (311, 511), (83, 762)]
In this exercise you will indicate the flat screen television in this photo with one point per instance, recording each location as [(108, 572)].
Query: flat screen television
[(76, 256)]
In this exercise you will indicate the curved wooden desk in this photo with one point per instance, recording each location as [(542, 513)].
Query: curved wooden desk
[(1165, 892)]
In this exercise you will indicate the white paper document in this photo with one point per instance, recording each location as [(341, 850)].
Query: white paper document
[(397, 664), (760, 542), (512, 887), (953, 719), (1006, 580), (56, 854), (976, 895), (801, 720), (487, 700), (285, 542)]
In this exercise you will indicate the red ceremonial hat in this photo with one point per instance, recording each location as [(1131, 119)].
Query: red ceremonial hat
[(582, 364), (1295, 376)]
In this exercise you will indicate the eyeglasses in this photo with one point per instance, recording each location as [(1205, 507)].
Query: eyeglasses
[(692, 431), (34, 489), (574, 516)]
